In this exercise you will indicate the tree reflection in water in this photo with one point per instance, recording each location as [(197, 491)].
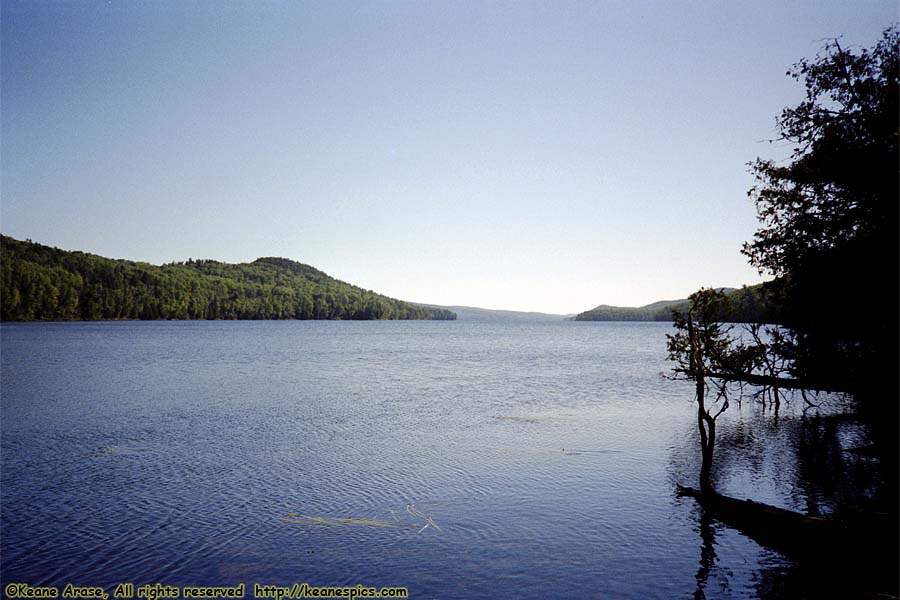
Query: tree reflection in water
[(707, 553), (805, 461)]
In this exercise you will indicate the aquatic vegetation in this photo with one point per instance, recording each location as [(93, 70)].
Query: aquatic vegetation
[(517, 418), (397, 523), (576, 452), (313, 520), (411, 509), (563, 451), (533, 419)]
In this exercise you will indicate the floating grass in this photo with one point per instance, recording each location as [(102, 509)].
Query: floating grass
[(576, 452), (521, 419), (534, 419), (396, 523), (563, 451), (314, 520), (411, 509)]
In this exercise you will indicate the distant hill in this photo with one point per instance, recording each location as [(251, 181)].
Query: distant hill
[(487, 315), (40, 283), (749, 304), (657, 311)]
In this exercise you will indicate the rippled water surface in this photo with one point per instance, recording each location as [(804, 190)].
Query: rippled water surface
[(460, 460)]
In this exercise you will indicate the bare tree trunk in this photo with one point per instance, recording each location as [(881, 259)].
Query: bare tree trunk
[(707, 428), (705, 422)]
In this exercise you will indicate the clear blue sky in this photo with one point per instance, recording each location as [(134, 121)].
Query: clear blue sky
[(534, 156)]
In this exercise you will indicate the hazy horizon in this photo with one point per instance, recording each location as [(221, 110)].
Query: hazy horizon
[(513, 156)]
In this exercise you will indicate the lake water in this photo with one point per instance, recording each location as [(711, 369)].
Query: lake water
[(504, 460)]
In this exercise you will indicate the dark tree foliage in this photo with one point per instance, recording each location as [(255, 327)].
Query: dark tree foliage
[(702, 343), (38, 283), (842, 183), (830, 215)]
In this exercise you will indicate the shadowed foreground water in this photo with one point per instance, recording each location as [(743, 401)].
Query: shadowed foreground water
[(460, 460)]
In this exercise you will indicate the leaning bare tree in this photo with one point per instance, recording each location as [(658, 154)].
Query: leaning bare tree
[(706, 352), (703, 349)]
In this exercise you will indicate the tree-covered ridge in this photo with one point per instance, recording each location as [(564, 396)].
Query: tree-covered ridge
[(39, 283), (749, 304)]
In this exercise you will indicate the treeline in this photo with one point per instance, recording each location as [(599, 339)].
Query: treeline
[(39, 283), (749, 304)]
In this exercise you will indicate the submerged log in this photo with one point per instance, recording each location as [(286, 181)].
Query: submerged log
[(789, 532), (857, 553), (787, 383)]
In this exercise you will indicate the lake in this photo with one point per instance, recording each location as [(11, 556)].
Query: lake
[(459, 460)]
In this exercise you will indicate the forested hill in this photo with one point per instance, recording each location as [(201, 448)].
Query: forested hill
[(658, 311), (749, 304), (39, 283)]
